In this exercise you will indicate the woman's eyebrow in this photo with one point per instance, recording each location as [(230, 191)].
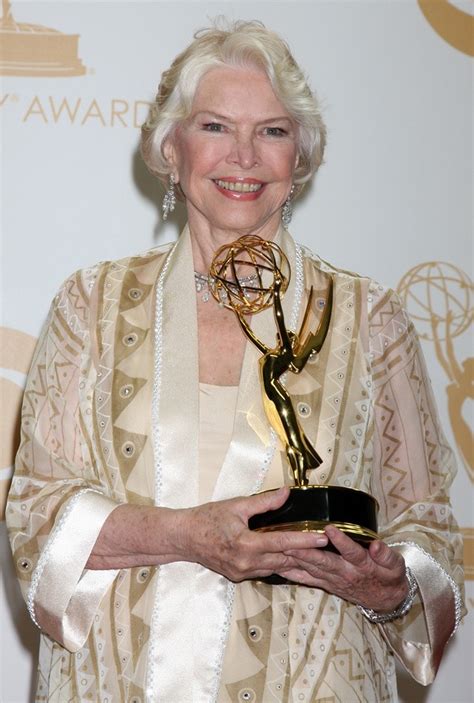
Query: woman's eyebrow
[(215, 115), (227, 118), (283, 118)]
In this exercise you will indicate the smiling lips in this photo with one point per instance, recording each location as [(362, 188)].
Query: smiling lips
[(240, 188)]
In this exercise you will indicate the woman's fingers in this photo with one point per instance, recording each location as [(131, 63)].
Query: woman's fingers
[(348, 548), (348, 551), (300, 577), (256, 552), (286, 542), (218, 537), (373, 577), (386, 557), (268, 500)]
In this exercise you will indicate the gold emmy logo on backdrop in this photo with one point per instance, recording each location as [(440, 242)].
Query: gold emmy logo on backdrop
[(438, 297), (452, 24), (33, 50), (16, 351)]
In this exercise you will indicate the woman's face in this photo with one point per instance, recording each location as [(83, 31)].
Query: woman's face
[(235, 156)]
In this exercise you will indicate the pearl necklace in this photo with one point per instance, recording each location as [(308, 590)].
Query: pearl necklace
[(202, 282)]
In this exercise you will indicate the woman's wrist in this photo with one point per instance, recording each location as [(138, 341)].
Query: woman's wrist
[(401, 610), (138, 535)]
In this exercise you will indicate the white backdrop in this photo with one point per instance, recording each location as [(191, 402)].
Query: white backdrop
[(395, 193)]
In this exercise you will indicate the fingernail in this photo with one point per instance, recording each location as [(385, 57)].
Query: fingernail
[(377, 547), (321, 541)]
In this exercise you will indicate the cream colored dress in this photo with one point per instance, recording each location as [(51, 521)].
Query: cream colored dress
[(111, 415), (217, 406)]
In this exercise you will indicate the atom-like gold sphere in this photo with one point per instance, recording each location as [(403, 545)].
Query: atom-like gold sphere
[(243, 274)]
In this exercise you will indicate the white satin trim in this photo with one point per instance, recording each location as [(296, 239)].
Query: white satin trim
[(63, 597), (193, 606), (441, 600)]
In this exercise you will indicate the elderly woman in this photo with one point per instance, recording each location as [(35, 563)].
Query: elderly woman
[(145, 439)]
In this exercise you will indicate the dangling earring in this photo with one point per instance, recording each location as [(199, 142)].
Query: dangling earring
[(287, 209), (169, 201)]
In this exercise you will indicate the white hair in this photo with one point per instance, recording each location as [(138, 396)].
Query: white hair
[(239, 44)]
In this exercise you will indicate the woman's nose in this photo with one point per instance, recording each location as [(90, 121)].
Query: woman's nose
[(244, 152)]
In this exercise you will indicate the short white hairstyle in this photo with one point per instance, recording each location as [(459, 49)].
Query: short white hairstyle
[(239, 44)]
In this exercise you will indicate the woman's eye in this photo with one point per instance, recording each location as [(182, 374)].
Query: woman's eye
[(213, 127), (275, 131)]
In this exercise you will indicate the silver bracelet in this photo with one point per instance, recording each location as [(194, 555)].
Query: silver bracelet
[(402, 609)]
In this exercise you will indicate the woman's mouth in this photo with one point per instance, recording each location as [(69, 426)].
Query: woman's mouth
[(248, 189), (239, 186)]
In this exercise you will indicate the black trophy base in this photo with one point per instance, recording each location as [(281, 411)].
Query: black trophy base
[(312, 508)]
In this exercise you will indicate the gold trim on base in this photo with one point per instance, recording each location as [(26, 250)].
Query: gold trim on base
[(318, 526)]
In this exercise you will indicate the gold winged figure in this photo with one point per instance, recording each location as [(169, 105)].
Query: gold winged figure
[(292, 350)]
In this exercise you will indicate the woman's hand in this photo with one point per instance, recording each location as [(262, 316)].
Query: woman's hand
[(374, 577), (217, 536)]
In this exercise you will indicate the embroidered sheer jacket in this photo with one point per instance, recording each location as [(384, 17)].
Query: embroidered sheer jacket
[(111, 415)]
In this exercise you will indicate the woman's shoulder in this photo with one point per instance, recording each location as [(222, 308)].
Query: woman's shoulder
[(382, 304), (82, 290), (313, 260), (134, 261), (139, 263)]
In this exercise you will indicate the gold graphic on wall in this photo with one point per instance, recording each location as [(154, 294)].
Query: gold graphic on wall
[(16, 351), (438, 298), (33, 50), (452, 24)]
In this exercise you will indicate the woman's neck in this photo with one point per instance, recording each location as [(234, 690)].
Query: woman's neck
[(206, 239)]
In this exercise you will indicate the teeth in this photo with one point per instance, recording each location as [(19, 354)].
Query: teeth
[(239, 187)]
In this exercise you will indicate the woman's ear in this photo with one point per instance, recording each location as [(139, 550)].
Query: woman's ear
[(169, 152)]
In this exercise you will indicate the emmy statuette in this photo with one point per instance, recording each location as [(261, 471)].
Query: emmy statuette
[(309, 507)]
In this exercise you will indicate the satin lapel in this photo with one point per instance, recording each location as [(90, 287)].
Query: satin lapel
[(191, 605), (179, 406), (250, 450)]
